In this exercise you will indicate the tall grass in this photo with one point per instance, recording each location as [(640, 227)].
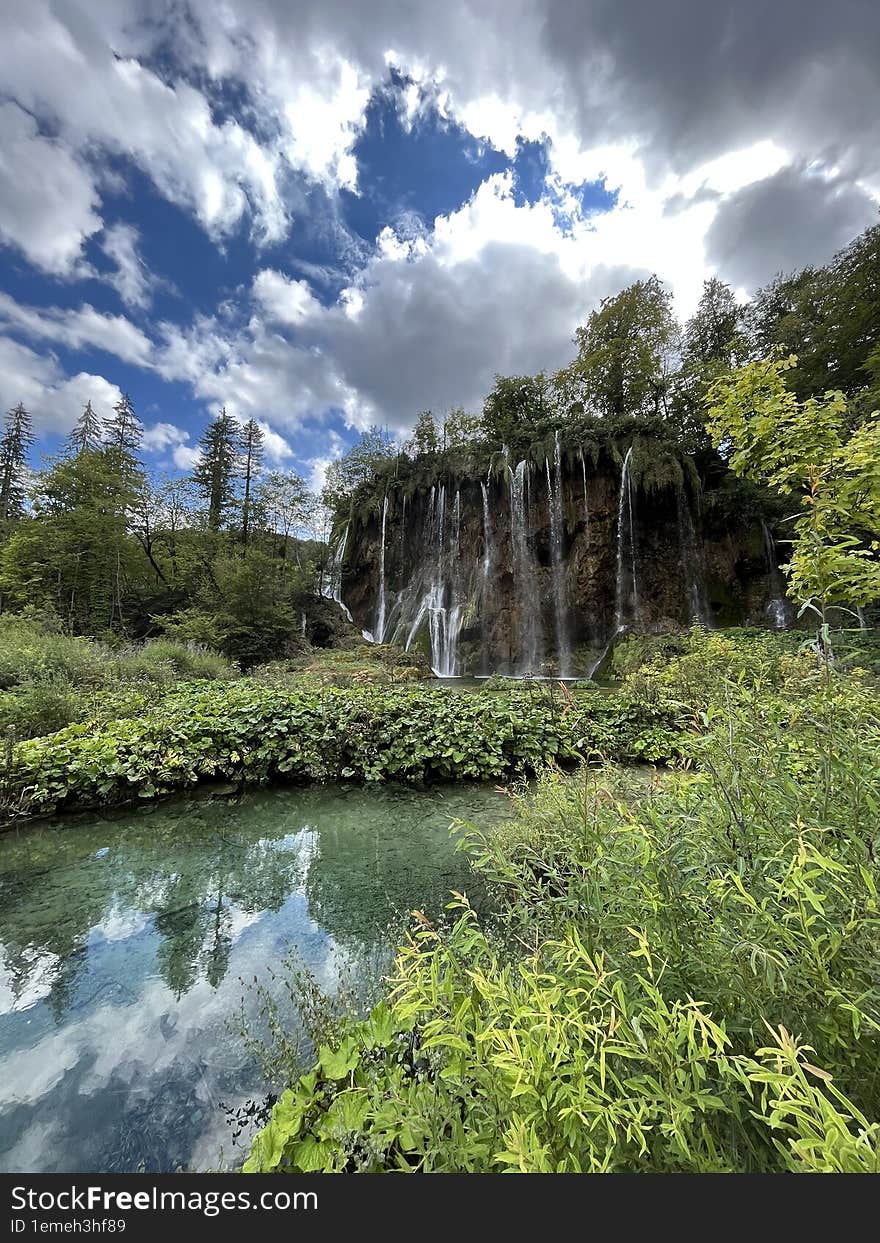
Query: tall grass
[(49, 680)]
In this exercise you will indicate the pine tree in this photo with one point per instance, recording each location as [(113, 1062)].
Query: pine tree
[(215, 474), (251, 446), (17, 439), (88, 433), (123, 429)]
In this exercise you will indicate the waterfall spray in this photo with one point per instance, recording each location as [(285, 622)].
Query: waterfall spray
[(692, 563), (524, 578), (586, 501), (626, 533)]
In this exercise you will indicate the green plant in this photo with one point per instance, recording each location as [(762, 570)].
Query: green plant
[(249, 731)]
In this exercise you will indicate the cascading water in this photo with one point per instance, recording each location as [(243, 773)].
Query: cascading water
[(444, 612), (586, 499), (777, 608), (483, 576), (524, 577), (435, 595), (379, 629), (486, 574), (692, 563), (560, 603), (331, 579), (627, 611)]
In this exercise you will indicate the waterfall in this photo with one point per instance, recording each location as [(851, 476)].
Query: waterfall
[(331, 579), (777, 608), (524, 577), (626, 593), (627, 587), (586, 501), (692, 561), (402, 551), (486, 575), (379, 630), (557, 533), (444, 611), (435, 593)]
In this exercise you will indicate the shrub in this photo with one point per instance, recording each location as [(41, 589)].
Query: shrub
[(49, 680), (249, 731)]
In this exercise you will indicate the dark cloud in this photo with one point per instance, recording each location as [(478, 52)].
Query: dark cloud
[(695, 77), (783, 223)]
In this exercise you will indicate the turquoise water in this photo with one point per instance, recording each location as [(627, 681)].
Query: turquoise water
[(125, 941)]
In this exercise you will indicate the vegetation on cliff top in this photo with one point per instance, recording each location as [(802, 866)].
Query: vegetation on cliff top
[(639, 378)]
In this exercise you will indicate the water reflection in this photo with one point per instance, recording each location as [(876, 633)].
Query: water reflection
[(123, 943)]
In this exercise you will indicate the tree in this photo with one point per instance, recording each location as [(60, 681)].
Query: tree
[(424, 440), (88, 432), (17, 439), (830, 318), (285, 502), (460, 428), (76, 556), (714, 333), (251, 449), (122, 429), (215, 473), (624, 353), (514, 406), (803, 450), (373, 450), (712, 343)]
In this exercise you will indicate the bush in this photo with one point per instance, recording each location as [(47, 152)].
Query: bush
[(249, 731), (49, 680), (165, 660)]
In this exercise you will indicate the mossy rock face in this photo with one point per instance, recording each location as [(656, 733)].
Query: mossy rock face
[(687, 537)]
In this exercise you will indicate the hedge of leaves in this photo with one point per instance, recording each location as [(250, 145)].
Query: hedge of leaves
[(249, 732)]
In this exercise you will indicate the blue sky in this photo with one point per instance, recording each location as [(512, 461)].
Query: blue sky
[(325, 221)]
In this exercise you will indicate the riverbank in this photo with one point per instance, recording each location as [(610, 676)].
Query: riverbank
[(250, 732)]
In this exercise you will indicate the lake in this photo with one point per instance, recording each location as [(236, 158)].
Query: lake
[(129, 944)]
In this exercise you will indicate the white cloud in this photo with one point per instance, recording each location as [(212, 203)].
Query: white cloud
[(185, 457), (83, 328), (161, 436), (54, 399), (77, 75), (131, 280), (48, 199), (277, 448), (283, 300)]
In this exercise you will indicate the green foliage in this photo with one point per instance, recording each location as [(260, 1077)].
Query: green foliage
[(624, 353), (250, 731), (650, 937), (802, 449), (215, 474), (829, 318), (49, 680), (356, 467)]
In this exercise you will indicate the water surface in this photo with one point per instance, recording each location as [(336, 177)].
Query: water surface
[(124, 942)]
